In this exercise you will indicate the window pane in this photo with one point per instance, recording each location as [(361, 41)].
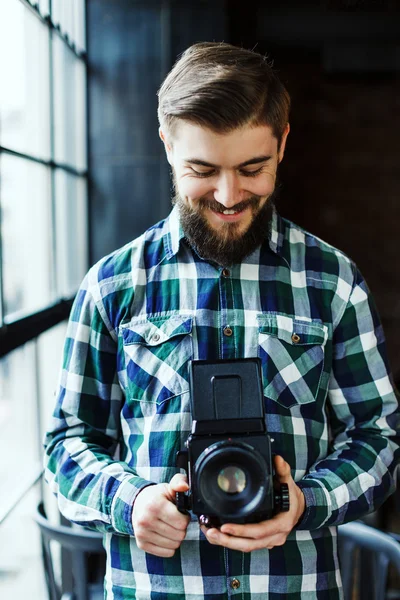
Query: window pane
[(27, 235), (44, 7), (24, 81), (71, 226), (70, 15), (21, 568), (69, 106), (80, 25), (57, 12), (19, 435), (50, 354)]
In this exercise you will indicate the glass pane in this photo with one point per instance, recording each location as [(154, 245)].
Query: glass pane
[(19, 435), (70, 15), (26, 235), (80, 24), (44, 7), (69, 106), (50, 354), (21, 568), (67, 23), (56, 11), (50, 350), (24, 81), (72, 234)]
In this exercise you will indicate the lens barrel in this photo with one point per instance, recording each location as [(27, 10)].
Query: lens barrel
[(230, 479)]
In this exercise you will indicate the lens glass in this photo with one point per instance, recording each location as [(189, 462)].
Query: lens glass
[(232, 480)]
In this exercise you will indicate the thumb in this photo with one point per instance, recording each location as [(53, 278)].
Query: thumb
[(178, 484), (282, 469)]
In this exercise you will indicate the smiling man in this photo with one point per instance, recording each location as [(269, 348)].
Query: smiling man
[(224, 276), (224, 184)]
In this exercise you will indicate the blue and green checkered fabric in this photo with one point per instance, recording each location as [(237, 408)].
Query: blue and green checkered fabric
[(123, 406)]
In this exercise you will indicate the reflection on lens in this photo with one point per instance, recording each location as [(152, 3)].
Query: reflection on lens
[(232, 480)]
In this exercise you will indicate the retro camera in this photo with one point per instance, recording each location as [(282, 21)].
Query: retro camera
[(228, 456)]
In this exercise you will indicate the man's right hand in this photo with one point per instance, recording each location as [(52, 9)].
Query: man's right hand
[(159, 526)]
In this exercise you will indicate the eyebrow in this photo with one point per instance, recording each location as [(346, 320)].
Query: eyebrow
[(252, 161)]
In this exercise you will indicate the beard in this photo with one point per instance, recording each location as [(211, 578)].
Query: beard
[(225, 245)]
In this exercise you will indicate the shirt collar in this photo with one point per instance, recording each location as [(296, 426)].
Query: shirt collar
[(173, 233)]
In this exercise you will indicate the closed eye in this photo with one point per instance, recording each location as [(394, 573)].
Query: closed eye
[(243, 172), (251, 173), (203, 173)]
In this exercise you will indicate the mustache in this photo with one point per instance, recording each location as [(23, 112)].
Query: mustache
[(204, 203)]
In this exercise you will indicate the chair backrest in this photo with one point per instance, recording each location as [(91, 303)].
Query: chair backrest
[(80, 543), (365, 554)]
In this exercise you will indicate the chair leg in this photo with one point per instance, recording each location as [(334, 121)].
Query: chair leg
[(53, 591)]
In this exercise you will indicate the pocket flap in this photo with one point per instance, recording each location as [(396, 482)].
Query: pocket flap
[(154, 331), (293, 331)]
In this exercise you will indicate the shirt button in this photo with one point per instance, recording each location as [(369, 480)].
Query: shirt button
[(228, 331), (226, 272), (235, 584), (156, 337), (295, 338)]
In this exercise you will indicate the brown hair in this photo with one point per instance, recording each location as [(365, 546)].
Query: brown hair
[(223, 87)]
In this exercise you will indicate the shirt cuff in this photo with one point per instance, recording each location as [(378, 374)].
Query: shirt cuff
[(122, 504), (318, 505)]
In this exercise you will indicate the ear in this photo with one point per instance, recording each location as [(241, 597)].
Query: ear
[(283, 143), (167, 145)]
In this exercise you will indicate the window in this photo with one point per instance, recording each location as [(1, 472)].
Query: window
[(43, 249)]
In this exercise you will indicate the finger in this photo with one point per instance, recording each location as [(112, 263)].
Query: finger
[(145, 536), (278, 524), (157, 550), (171, 515), (159, 509), (282, 469), (177, 484), (167, 530), (218, 538)]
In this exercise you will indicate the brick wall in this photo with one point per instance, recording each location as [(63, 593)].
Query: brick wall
[(341, 176)]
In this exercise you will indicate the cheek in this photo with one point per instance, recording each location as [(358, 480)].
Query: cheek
[(259, 186), (194, 188)]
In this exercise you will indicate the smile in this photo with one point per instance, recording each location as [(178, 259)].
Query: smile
[(230, 214)]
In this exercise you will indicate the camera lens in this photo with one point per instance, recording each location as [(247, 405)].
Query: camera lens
[(232, 480)]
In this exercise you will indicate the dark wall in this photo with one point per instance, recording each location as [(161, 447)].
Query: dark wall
[(340, 60), (131, 47)]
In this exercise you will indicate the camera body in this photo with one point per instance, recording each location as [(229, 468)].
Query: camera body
[(228, 456)]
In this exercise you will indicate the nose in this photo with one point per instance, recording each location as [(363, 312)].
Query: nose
[(227, 191)]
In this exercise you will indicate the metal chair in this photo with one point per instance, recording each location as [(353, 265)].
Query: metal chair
[(82, 545), (365, 554)]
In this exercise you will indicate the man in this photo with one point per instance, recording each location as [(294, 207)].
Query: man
[(224, 276)]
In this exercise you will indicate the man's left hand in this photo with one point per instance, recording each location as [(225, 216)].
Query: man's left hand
[(266, 534)]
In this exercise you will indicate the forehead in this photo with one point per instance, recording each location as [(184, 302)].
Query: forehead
[(193, 141)]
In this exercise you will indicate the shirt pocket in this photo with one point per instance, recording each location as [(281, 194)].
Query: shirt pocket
[(292, 352), (157, 350)]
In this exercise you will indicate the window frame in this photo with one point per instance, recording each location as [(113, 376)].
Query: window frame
[(15, 332)]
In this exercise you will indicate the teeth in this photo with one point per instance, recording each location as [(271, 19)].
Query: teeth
[(229, 212)]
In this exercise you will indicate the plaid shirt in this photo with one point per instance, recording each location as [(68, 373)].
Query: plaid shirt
[(123, 405)]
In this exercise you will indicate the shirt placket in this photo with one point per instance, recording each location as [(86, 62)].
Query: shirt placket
[(235, 578), (227, 316), (233, 559)]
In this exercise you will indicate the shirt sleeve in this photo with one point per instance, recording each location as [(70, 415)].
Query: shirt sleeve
[(363, 415), (93, 488)]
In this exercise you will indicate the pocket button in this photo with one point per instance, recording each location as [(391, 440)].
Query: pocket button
[(156, 337), (295, 338)]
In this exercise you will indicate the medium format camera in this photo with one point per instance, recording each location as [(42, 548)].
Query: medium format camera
[(228, 456)]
